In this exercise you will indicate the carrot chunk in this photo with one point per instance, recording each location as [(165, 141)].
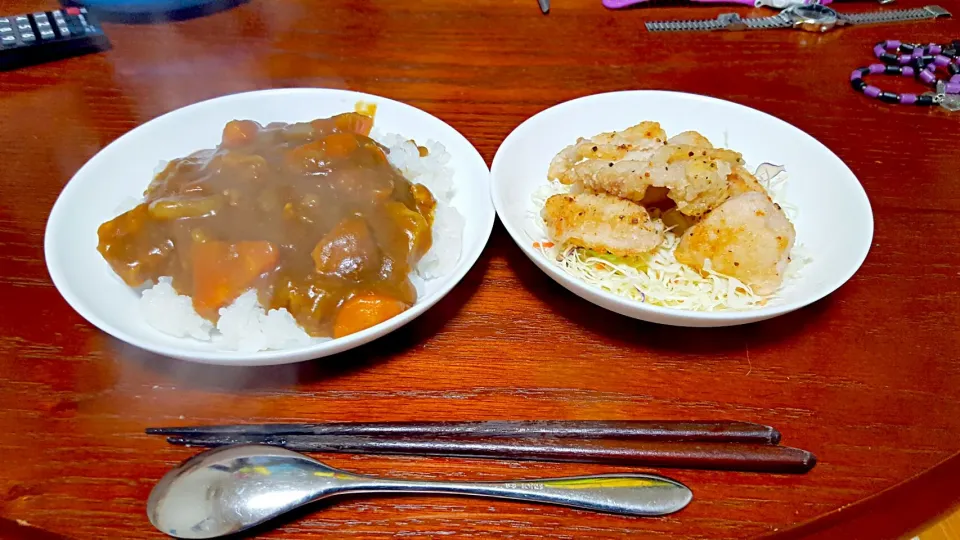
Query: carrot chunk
[(354, 123), (239, 132), (223, 271), (365, 310), (340, 144)]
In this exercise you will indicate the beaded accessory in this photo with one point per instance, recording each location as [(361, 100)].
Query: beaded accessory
[(921, 62)]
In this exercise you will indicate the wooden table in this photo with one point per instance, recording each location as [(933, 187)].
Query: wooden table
[(868, 378)]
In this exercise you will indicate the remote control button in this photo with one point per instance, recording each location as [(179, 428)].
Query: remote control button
[(24, 28), (6, 30), (47, 34), (72, 11), (28, 38), (4, 20), (58, 15), (8, 40), (64, 31), (40, 16), (43, 26), (21, 19)]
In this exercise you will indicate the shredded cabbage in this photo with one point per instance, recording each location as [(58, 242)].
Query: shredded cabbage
[(657, 278)]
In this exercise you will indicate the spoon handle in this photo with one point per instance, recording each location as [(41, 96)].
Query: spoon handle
[(628, 494)]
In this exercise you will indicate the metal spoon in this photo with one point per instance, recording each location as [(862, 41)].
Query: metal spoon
[(233, 488)]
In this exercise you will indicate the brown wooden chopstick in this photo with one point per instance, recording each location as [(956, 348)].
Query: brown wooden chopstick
[(688, 455), (724, 431)]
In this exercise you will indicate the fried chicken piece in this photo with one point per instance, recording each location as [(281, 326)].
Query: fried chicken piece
[(742, 181), (602, 223), (705, 172), (635, 142), (628, 179), (695, 177), (748, 237), (690, 138)]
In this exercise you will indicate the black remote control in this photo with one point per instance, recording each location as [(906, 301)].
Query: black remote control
[(44, 36)]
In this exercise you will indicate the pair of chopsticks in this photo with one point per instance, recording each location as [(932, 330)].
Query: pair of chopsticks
[(736, 446)]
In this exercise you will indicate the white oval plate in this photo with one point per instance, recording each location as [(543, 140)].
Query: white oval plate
[(123, 169), (835, 222)]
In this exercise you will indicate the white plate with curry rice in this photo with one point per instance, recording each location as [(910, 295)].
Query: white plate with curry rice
[(681, 209), (270, 227)]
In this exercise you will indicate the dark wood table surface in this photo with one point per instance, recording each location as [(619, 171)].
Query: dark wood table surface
[(868, 378)]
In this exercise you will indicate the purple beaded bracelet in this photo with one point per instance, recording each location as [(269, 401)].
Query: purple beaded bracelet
[(924, 62), (886, 51)]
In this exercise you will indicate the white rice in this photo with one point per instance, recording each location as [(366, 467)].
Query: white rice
[(444, 254), (172, 313), (432, 171), (245, 326)]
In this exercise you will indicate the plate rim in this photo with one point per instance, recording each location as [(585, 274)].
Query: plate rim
[(55, 267), (637, 310)]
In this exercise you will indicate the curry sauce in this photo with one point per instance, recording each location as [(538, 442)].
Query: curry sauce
[(312, 215)]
